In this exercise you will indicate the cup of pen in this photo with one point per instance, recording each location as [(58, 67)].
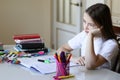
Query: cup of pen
[(62, 69), (62, 65)]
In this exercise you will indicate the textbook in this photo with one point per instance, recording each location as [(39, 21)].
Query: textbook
[(17, 48), (42, 67), (1, 46), (28, 40), (33, 45), (26, 36)]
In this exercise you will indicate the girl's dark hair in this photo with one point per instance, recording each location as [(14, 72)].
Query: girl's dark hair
[(100, 14)]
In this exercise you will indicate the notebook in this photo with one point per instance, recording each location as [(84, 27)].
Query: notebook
[(43, 68)]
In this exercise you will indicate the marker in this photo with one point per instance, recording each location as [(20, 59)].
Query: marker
[(41, 52), (63, 77), (1, 53), (26, 55), (45, 61), (63, 57), (56, 56), (10, 54)]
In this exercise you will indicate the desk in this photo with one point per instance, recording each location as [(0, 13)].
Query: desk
[(16, 72)]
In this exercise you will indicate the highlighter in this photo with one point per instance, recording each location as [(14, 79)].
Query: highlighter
[(45, 61)]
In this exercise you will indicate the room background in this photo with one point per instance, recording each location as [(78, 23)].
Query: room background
[(35, 16), (24, 17)]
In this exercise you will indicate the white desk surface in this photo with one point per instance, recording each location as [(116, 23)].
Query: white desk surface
[(16, 72)]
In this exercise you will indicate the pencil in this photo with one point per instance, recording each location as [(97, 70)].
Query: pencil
[(63, 77)]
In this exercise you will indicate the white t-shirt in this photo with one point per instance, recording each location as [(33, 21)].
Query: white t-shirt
[(108, 49)]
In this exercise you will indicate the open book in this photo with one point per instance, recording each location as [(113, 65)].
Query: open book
[(44, 68)]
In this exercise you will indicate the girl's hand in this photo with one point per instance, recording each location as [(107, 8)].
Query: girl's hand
[(81, 61), (95, 32)]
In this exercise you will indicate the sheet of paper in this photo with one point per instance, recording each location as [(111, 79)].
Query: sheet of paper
[(45, 68), (27, 62)]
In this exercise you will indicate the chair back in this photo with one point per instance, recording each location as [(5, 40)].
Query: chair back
[(116, 65)]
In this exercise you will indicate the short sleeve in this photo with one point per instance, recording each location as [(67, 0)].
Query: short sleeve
[(109, 50), (75, 42)]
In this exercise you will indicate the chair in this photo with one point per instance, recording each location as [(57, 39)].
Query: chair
[(116, 65)]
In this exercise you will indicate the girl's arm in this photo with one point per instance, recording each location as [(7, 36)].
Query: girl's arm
[(91, 59)]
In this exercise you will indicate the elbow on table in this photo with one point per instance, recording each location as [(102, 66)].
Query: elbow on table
[(90, 67)]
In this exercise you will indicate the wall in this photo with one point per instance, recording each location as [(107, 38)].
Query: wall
[(25, 16), (91, 2)]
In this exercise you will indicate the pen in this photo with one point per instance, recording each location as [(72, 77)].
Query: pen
[(63, 77), (45, 61)]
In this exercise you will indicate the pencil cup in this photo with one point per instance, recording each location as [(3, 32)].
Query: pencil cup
[(62, 69)]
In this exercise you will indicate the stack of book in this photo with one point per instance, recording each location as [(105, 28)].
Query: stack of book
[(29, 43), (1, 46)]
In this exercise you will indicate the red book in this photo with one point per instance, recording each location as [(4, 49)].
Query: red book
[(26, 36)]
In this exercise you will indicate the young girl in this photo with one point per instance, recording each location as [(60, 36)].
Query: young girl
[(97, 41)]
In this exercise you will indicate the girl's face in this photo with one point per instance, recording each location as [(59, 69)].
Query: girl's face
[(88, 23)]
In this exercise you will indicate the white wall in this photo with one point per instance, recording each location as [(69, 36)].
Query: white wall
[(91, 2), (25, 16)]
